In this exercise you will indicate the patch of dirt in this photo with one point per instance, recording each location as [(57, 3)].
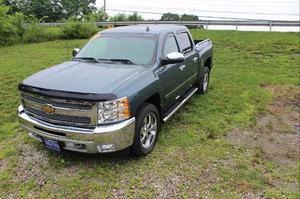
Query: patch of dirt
[(258, 195), (3, 164), (170, 187), (184, 180), (198, 186), (31, 164), (277, 132), (197, 182)]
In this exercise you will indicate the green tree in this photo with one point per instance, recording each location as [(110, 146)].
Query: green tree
[(52, 10), (97, 16), (49, 10), (186, 17), (12, 27), (78, 8), (123, 17), (135, 17), (170, 17), (118, 17), (6, 28)]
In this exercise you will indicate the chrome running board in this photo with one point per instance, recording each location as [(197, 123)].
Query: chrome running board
[(180, 104)]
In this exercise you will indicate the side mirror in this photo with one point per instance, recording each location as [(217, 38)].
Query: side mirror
[(75, 51), (173, 58)]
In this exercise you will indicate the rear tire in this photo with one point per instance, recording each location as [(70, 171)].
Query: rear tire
[(146, 130), (204, 81)]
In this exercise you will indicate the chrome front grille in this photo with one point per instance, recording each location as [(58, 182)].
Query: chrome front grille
[(59, 103), (56, 117), (63, 111)]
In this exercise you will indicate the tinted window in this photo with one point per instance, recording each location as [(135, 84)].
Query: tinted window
[(139, 49), (184, 42), (170, 45)]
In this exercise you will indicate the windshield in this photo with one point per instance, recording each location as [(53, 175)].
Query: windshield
[(131, 48)]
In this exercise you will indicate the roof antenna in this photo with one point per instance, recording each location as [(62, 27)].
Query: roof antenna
[(148, 29)]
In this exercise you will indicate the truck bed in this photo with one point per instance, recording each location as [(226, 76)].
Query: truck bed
[(200, 44)]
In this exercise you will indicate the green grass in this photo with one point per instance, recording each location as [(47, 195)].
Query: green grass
[(192, 157)]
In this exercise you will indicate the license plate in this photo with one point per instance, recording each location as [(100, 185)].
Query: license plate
[(51, 144)]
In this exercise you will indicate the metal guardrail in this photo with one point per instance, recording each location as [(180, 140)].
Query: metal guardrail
[(200, 23)]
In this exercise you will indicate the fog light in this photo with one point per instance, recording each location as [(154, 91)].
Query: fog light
[(106, 148), (75, 146), (79, 146)]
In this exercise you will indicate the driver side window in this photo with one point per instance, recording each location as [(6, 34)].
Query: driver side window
[(170, 45)]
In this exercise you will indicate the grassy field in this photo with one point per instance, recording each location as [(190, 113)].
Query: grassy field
[(193, 158)]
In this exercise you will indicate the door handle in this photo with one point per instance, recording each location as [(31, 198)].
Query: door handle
[(195, 59), (182, 67)]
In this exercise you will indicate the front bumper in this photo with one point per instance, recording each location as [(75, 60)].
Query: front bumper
[(101, 139)]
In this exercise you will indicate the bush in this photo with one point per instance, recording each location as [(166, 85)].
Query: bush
[(35, 33), (19, 21), (54, 31), (78, 30), (7, 29), (18, 28)]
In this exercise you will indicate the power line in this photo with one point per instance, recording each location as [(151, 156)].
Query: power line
[(230, 3), (189, 2), (232, 12), (160, 13), (238, 12)]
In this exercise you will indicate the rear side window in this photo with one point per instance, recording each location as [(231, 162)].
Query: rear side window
[(170, 45), (185, 43)]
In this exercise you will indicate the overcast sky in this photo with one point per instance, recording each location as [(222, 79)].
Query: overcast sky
[(250, 9)]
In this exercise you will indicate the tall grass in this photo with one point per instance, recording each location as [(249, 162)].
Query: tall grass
[(18, 28), (77, 30)]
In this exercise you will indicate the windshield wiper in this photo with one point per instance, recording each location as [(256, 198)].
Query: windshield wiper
[(86, 58), (125, 61)]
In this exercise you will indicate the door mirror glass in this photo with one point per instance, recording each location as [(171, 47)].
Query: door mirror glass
[(75, 51), (173, 58)]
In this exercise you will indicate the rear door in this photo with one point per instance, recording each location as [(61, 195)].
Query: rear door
[(189, 69), (169, 75)]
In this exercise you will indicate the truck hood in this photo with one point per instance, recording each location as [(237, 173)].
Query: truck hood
[(84, 77)]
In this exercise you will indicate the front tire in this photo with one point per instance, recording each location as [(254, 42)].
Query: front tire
[(204, 81), (146, 130)]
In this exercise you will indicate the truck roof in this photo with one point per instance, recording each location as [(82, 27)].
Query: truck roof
[(146, 28)]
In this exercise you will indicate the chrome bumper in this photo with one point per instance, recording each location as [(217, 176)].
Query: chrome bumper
[(101, 139)]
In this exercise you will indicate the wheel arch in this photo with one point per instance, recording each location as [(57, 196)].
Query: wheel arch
[(155, 100), (152, 99), (208, 63)]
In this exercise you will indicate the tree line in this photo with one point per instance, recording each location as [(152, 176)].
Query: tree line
[(82, 10), (20, 20)]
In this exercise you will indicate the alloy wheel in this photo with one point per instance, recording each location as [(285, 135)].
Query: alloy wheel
[(148, 130)]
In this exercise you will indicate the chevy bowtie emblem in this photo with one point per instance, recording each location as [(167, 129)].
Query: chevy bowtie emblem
[(48, 109)]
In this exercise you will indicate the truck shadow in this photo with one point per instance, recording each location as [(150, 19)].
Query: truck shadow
[(76, 157)]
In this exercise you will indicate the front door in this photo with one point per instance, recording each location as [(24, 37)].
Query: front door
[(172, 83)]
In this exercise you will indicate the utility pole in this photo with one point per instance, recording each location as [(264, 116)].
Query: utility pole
[(104, 5)]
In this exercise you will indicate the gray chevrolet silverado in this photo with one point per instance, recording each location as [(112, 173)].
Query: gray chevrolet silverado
[(117, 90)]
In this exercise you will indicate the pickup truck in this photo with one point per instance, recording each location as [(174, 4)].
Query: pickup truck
[(117, 90)]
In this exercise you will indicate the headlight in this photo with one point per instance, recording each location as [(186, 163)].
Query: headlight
[(113, 111)]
